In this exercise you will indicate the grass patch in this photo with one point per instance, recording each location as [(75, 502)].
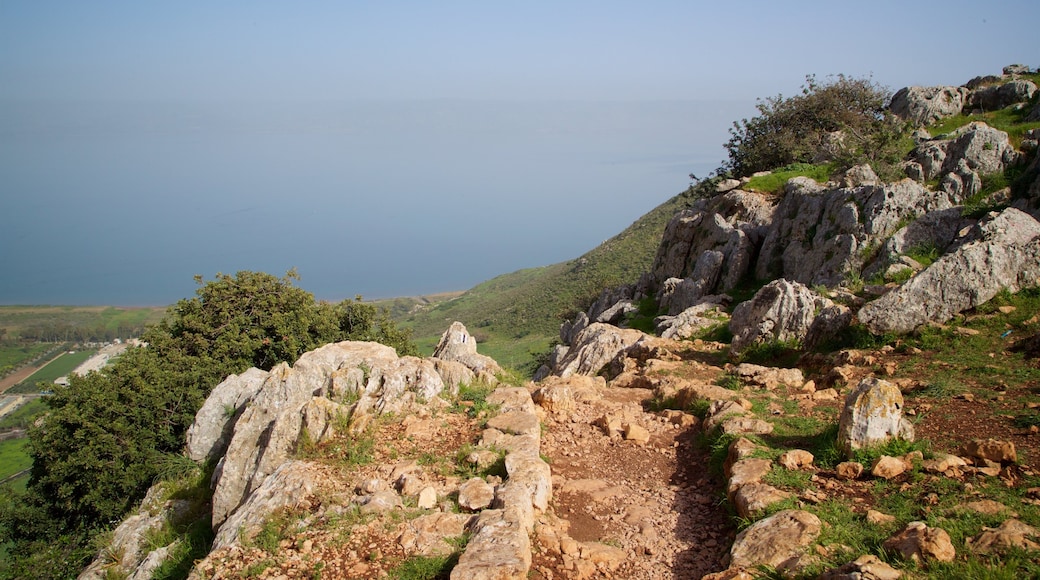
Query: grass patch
[(777, 353), (775, 181), (425, 568), (23, 416), (14, 457), (59, 367)]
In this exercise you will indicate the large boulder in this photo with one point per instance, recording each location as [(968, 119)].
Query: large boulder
[(594, 347), (707, 312), (971, 151), (820, 235), (781, 311), (456, 344), (937, 230), (873, 414), (1001, 252), (926, 105), (996, 97)]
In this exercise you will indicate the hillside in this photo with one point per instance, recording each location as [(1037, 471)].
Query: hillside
[(515, 316)]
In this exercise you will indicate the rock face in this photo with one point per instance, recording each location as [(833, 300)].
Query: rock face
[(873, 414), (705, 313), (782, 310), (819, 235), (925, 105), (208, 436), (1002, 251), (996, 97), (971, 151), (709, 247)]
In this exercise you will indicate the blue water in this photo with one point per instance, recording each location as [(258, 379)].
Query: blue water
[(124, 204)]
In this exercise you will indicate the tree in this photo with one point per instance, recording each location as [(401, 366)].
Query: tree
[(844, 120), (98, 450)]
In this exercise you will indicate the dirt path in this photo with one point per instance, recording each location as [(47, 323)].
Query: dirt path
[(22, 374), (655, 501)]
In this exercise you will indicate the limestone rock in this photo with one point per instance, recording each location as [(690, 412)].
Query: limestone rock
[(796, 459), (209, 434), (996, 97), (570, 329), (778, 541), (991, 450), (781, 311), (719, 411), (456, 344), (828, 325), (919, 542), (849, 470), (129, 541), (873, 414), (887, 467), (1010, 534), (611, 303), (746, 426), (637, 433), (1003, 251), (426, 534), (380, 501), (866, 567), (706, 312), (925, 105), (475, 494), (752, 498), (745, 472), (290, 484), (768, 378), (427, 498), (942, 462), (594, 347), (268, 431), (820, 236), (879, 519), (980, 148), (516, 423), (500, 549)]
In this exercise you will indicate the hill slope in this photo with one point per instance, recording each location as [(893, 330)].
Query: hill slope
[(517, 315)]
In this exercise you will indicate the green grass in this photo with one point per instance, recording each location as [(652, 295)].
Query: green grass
[(14, 457), (775, 181), (23, 416), (59, 367), (425, 568), (78, 322), (13, 355)]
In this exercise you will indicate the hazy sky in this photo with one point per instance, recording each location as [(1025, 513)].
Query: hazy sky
[(389, 148)]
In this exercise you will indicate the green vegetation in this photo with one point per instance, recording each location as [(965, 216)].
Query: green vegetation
[(774, 182), (43, 379), (425, 568), (75, 323), (106, 436), (797, 129), (516, 316), (24, 415), (14, 355), (13, 457)]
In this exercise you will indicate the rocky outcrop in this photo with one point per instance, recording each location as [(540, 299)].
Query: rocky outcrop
[(269, 430), (1001, 252), (709, 247), (926, 105), (208, 436), (918, 542), (594, 347), (707, 312), (873, 414), (127, 552), (458, 345), (996, 97), (821, 236), (781, 311), (970, 152)]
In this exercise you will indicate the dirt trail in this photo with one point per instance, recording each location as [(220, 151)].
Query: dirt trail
[(656, 501)]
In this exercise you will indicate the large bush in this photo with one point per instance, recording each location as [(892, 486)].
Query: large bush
[(100, 447), (843, 120)]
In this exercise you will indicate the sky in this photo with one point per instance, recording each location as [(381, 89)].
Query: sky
[(401, 148)]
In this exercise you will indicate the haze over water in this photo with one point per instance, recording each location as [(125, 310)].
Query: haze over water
[(124, 204), (401, 148)]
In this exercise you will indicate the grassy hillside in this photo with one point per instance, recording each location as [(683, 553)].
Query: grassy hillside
[(516, 316)]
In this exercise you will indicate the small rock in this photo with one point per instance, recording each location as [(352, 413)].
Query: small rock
[(637, 433), (866, 567), (879, 519), (919, 542), (427, 498), (849, 470), (475, 494), (796, 459), (1011, 534), (991, 450), (887, 467)]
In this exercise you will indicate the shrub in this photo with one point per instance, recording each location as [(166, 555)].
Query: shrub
[(843, 119)]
